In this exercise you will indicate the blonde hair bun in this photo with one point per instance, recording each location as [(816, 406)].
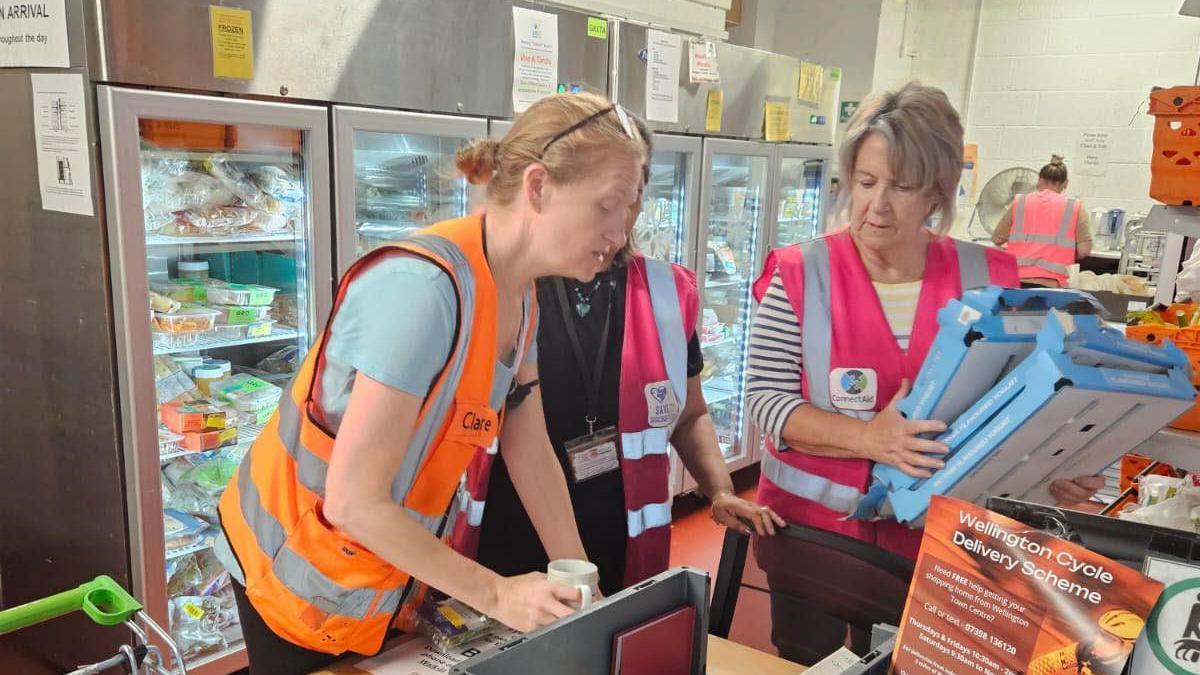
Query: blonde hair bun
[(479, 160)]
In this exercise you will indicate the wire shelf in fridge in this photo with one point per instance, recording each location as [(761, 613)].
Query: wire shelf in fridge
[(203, 342), (249, 238)]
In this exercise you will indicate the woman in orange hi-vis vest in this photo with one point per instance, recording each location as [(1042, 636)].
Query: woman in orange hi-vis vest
[(1046, 231), (337, 520)]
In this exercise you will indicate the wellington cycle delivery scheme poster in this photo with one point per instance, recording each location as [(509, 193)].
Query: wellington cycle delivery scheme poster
[(992, 596)]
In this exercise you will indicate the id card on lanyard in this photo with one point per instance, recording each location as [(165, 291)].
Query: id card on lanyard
[(597, 452)]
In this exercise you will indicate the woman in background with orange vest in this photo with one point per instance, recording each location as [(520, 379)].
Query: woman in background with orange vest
[(1046, 231), (338, 518)]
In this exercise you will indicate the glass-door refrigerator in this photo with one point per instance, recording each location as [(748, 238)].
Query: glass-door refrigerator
[(734, 208), (802, 178), (394, 172), (220, 237)]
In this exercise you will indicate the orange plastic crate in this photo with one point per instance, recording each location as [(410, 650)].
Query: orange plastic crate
[(1175, 166)]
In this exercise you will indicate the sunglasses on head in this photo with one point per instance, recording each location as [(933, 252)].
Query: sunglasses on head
[(622, 117)]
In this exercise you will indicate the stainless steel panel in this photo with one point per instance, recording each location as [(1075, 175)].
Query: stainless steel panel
[(119, 113), (450, 56), (804, 130), (346, 121), (62, 505), (749, 77)]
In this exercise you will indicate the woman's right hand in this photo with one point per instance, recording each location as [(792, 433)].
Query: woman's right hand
[(890, 438), (530, 601)]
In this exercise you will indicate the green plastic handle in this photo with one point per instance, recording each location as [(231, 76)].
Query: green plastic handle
[(102, 599)]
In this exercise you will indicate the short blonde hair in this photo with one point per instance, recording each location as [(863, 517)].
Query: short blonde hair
[(925, 143), (500, 164)]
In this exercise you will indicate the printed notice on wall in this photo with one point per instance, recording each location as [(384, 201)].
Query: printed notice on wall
[(662, 76), (34, 34), (535, 57), (232, 36), (702, 62), (1091, 153), (60, 131), (992, 596)]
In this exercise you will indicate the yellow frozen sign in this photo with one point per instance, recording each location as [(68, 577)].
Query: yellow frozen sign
[(716, 105), (232, 42), (778, 121)]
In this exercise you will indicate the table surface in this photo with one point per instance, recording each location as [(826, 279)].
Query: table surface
[(724, 658)]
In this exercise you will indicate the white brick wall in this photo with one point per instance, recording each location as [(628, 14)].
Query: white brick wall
[(1045, 69)]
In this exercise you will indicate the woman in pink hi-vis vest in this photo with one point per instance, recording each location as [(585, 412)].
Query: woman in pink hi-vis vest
[(843, 326), (619, 362)]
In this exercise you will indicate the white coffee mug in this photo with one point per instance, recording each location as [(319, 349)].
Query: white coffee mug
[(578, 573)]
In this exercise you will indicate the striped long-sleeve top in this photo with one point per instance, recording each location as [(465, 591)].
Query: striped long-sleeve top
[(775, 362)]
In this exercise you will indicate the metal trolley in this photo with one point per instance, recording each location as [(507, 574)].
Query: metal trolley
[(107, 604)]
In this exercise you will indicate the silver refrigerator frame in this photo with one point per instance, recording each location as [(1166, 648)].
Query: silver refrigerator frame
[(747, 432), (349, 119), (800, 151), (119, 110)]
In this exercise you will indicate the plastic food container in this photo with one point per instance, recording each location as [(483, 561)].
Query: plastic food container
[(225, 293), (246, 330), (247, 393), (183, 418), (168, 441), (181, 290), (193, 269), (189, 319), (174, 340), (241, 314), (199, 441), (205, 375)]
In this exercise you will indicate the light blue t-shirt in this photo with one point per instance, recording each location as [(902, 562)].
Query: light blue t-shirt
[(395, 325)]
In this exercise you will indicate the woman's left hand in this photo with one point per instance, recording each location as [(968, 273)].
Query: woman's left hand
[(729, 510), (1068, 491)]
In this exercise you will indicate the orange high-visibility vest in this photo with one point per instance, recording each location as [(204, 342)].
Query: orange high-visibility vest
[(312, 584), (1043, 235)]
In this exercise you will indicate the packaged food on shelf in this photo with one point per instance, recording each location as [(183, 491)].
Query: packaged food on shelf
[(171, 381), (234, 315), (163, 304), (211, 475), (247, 393), (282, 361), (190, 498), (173, 471), (201, 415), (278, 182), (226, 170), (286, 310), (168, 441), (193, 269), (210, 222), (170, 186), (183, 575), (178, 525), (257, 329), (197, 623), (204, 375), (182, 290), (226, 293), (188, 319), (163, 340), (198, 441)]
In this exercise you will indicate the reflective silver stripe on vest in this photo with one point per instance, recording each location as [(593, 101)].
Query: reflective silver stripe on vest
[(798, 482), (972, 265), (668, 319), (1044, 264), (472, 508), (653, 441), (437, 407), (818, 339), (649, 517)]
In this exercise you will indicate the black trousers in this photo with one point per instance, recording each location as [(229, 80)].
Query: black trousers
[(803, 633), (270, 654)]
